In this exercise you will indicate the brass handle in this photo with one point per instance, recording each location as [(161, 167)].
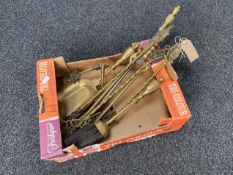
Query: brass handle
[(125, 56), (170, 18)]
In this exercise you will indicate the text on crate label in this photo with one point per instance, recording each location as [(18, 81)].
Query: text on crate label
[(44, 78), (180, 104), (51, 134)]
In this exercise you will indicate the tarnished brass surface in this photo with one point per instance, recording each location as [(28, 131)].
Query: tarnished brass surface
[(103, 128), (110, 87), (74, 96), (125, 56), (152, 87), (151, 84), (148, 88), (97, 106), (121, 90), (170, 17)]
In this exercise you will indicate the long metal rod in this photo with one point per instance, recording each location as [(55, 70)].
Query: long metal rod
[(102, 76), (133, 101), (106, 93), (172, 55), (160, 36), (126, 85)]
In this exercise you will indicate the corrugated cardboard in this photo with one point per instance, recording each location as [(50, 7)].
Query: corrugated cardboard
[(162, 112)]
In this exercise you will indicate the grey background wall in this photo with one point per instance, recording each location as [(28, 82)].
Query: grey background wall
[(32, 29)]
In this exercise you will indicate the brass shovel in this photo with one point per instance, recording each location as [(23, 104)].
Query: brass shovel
[(74, 96)]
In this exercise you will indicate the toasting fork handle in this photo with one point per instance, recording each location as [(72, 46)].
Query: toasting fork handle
[(170, 17)]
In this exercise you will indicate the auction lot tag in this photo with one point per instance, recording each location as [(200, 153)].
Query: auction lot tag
[(189, 49)]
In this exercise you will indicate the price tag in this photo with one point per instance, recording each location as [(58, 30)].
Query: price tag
[(189, 49)]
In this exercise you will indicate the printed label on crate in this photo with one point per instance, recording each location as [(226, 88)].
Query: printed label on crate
[(175, 99), (50, 138), (172, 93), (46, 85)]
